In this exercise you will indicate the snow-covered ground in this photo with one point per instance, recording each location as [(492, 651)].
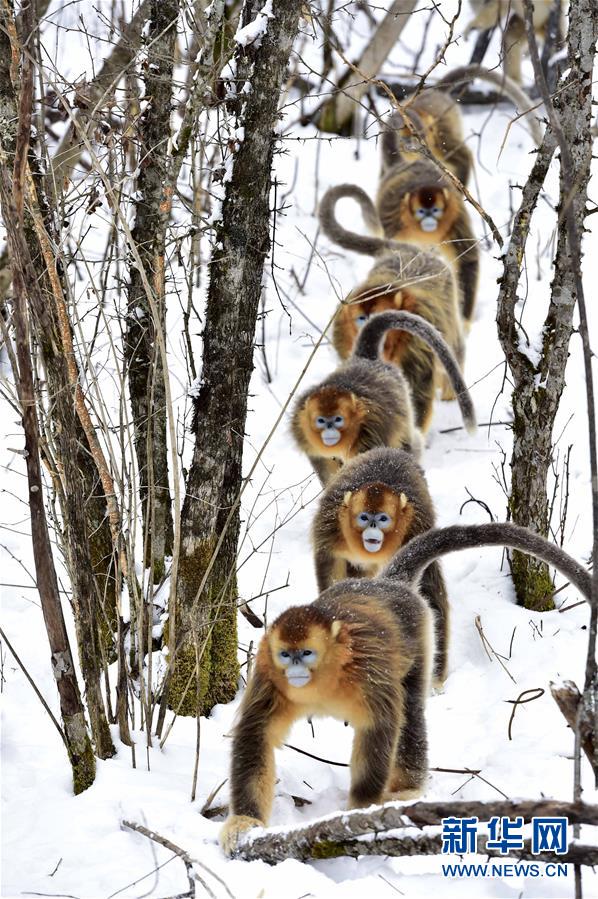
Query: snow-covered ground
[(60, 845)]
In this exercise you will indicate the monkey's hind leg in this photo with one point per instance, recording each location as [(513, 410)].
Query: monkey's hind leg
[(513, 42), (410, 771), (447, 391), (433, 589), (419, 369), (372, 759)]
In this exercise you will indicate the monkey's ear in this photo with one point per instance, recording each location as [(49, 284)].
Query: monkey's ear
[(353, 400), (336, 629), (445, 194), (398, 299), (402, 500), (347, 497)]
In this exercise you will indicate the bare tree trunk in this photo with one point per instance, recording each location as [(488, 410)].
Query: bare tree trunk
[(206, 594), (16, 141), (36, 280), (144, 362), (538, 384)]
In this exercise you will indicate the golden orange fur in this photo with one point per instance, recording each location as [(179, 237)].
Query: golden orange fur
[(377, 686), (332, 401), (372, 498)]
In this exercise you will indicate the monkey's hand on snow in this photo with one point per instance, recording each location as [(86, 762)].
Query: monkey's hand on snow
[(234, 827)]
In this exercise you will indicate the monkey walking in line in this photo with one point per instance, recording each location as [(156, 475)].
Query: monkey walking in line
[(361, 653), (366, 403), (378, 502), (490, 13), (436, 120), (416, 203), (405, 277)]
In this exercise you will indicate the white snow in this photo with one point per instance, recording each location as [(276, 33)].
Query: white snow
[(253, 32)]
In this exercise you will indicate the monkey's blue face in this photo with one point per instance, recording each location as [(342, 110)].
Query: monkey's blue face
[(330, 428), (297, 664), (372, 526), (428, 217)]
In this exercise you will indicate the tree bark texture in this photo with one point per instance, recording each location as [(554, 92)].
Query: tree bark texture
[(334, 836), (207, 613), (537, 385), (30, 267), (144, 362), (13, 149)]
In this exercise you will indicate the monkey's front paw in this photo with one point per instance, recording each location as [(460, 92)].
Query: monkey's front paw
[(233, 828)]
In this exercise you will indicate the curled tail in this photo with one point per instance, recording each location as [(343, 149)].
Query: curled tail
[(411, 560), (350, 240), (369, 346), (505, 85)]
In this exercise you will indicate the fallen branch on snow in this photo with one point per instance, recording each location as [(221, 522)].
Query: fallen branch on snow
[(337, 835)]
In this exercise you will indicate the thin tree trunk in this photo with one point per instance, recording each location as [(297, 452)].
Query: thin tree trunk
[(205, 602), (144, 363), (537, 385), (12, 203), (35, 278), (77, 739)]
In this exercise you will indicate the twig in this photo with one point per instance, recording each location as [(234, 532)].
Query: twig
[(35, 688), (489, 648), (187, 860), (537, 691)]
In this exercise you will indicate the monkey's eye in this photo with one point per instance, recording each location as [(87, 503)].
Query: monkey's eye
[(308, 654), (320, 422), (339, 421), (363, 519), (361, 320), (383, 520), (284, 656)]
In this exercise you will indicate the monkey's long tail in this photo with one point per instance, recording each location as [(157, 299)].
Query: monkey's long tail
[(410, 561), (351, 240), (463, 74), (369, 346)]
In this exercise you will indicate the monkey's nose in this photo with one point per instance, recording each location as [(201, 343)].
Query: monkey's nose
[(331, 436)]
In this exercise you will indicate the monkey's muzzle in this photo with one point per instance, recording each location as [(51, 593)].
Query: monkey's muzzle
[(298, 675), (331, 436), (372, 539), (429, 223)]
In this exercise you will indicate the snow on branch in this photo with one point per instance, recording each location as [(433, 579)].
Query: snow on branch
[(366, 832), (257, 28), (338, 835)]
